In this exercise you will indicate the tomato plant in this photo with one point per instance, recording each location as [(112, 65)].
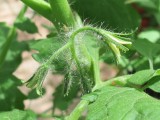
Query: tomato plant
[(124, 33)]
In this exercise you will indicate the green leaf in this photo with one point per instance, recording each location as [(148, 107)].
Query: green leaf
[(141, 77), (90, 97), (25, 24), (152, 35), (154, 84), (13, 57), (33, 94), (146, 48), (45, 47), (116, 103), (108, 12), (146, 79), (10, 96), (4, 30), (18, 115), (62, 102)]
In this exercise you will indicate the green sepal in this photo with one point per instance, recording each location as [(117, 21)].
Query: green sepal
[(37, 79)]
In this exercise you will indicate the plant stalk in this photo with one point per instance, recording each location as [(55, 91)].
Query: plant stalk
[(6, 45), (97, 73), (22, 12), (10, 37), (151, 64), (66, 46), (63, 16), (41, 7), (118, 81)]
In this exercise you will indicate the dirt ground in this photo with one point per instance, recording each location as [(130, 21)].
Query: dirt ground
[(8, 11)]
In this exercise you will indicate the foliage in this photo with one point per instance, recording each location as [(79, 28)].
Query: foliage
[(83, 33)]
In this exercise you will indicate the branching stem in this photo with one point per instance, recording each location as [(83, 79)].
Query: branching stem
[(107, 36)]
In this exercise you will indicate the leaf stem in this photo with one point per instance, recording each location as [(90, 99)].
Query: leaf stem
[(10, 37), (41, 7), (76, 113), (97, 73), (118, 81), (22, 12), (151, 64), (6, 45)]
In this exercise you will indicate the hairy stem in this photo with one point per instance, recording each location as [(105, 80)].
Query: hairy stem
[(62, 13), (106, 34), (95, 62), (62, 49)]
